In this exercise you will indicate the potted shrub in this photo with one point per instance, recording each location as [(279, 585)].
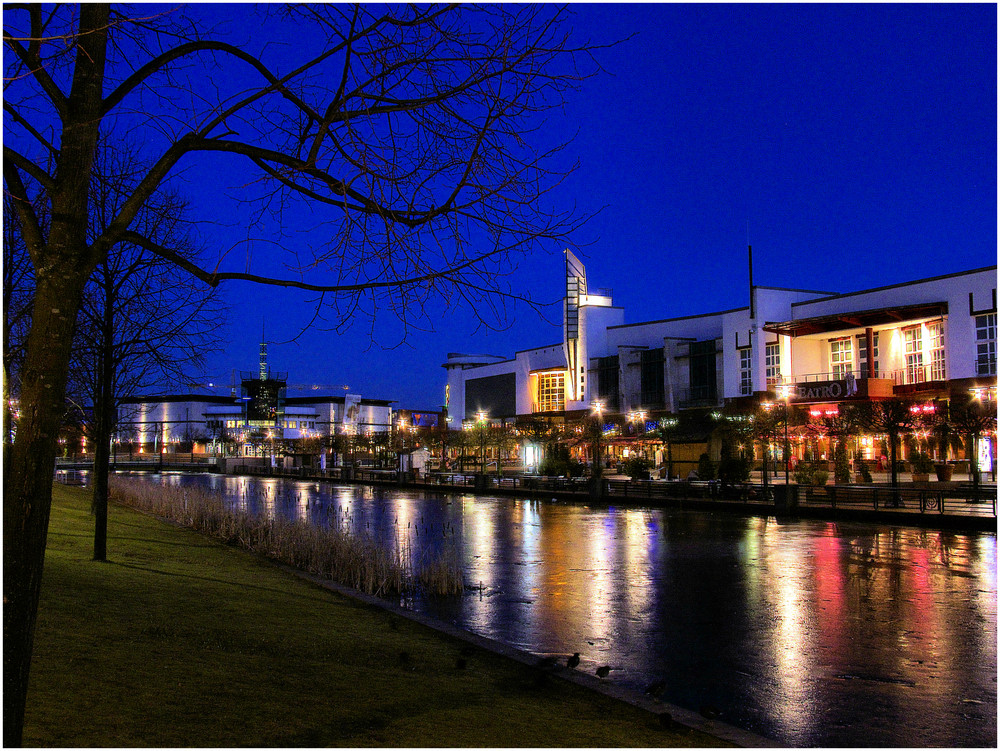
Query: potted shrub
[(637, 467), (947, 439), (734, 469), (820, 476), (804, 473), (922, 466)]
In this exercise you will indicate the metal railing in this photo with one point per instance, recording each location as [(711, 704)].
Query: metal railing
[(951, 499), (700, 396), (914, 375)]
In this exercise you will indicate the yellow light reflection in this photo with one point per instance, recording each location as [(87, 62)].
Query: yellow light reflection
[(786, 575)]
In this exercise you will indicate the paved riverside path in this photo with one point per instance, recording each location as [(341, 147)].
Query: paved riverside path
[(955, 504)]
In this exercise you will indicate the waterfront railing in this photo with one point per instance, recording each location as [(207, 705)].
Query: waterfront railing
[(956, 499)]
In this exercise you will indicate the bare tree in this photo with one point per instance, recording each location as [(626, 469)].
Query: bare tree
[(503, 439), (144, 322), (143, 326), (18, 291), (411, 132)]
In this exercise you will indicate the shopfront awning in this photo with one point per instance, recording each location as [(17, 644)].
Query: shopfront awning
[(857, 319)]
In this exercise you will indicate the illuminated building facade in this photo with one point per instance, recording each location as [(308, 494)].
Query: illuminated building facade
[(262, 412), (201, 421), (928, 339)]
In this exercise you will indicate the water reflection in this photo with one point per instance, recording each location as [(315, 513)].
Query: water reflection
[(813, 633)]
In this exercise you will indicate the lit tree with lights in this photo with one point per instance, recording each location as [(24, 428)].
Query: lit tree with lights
[(973, 418), (668, 430), (892, 418)]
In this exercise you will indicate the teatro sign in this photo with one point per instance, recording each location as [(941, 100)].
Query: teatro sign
[(823, 391)]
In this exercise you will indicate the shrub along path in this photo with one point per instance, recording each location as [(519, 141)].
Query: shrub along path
[(182, 641)]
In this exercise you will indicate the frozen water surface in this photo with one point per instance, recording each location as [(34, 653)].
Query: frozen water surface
[(809, 632)]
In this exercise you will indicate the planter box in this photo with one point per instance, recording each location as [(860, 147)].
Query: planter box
[(944, 472), (921, 477)]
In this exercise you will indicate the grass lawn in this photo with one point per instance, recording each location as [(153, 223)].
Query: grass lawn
[(181, 641)]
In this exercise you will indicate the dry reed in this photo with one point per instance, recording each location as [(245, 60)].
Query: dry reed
[(351, 558)]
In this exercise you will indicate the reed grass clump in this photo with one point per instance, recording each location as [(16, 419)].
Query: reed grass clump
[(354, 559)]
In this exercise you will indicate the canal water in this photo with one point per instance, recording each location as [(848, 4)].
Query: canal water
[(812, 633)]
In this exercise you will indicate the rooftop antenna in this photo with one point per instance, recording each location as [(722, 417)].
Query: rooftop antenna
[(263, 352), (753, 312)]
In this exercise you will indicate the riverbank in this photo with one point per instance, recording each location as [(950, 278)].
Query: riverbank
[(954, 505), (182, 641)]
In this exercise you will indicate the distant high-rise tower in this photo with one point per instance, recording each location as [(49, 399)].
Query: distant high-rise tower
[(263, 396), (263, 353)]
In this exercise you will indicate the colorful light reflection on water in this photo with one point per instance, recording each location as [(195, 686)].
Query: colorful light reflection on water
[(813, 633)]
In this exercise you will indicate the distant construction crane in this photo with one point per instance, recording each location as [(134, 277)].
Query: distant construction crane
[(317, 386), (296, 386)]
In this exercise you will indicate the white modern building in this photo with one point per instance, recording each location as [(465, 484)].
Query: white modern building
[(153, 421), (261, 411), (926, 339)]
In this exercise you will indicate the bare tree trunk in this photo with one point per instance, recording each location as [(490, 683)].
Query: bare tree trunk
[(103, 423), (28, 491), (104, 417), (62, 266), (973, 464)]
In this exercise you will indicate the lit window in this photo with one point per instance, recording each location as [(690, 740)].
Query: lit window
[(863, 354), (746, 371), (935, 337), (841, 358), (914, 349), (551, 392), (772, 363), (986, 344)]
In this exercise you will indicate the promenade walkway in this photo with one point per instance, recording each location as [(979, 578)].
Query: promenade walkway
[(958, 503)]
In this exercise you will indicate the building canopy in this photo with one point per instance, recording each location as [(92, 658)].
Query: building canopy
[(857, 319)]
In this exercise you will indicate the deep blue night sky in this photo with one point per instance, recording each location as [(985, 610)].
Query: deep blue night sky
[(857, 144)]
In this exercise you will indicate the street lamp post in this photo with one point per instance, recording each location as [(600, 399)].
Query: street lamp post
[(401, 425), (598, 468), (481, 419), (784, 393), (597, 489), (766, 435), (667, 425), (638, 418)]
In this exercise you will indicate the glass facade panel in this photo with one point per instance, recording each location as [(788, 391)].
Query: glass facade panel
[(746, 372), (701, 371), (863, 354), (841, 358), (986, 344), (551, 392), (914, 350), (772, 363), (651, 378), (607, 381), (935, 336)]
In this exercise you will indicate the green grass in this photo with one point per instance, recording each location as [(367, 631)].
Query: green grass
[(182, 641)]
